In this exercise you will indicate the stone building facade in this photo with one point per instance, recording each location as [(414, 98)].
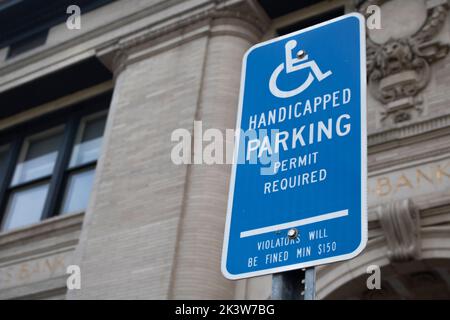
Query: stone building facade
[(151, 229)]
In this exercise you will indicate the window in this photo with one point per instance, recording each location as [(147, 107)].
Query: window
[(31, 180), (82, 163), (38, 156), (48, 170), (25, 206), (88, 141)]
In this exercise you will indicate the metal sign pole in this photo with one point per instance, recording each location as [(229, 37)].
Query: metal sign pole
[(310, 284), (294, 285)]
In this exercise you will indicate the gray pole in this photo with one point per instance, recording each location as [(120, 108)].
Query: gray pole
[(294, 285), (310, 284)]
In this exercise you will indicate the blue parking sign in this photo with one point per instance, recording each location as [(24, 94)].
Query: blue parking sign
[(298, 186)]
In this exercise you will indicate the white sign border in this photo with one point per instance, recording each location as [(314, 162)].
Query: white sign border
[(364, 231)]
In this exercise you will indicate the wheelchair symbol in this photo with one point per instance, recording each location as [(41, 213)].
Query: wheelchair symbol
[(292, 65)]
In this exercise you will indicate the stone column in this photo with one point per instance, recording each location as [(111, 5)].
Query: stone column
[(197, 272)]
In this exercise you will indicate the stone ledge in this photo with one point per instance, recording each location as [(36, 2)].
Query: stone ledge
[(38, 290), (45, 227), (388, 139)]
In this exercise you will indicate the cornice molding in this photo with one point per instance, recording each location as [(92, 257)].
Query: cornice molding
[(376, 139), (241, 12), (251, 20), (419, 157)]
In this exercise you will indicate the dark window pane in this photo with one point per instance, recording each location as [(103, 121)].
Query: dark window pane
[(25, 206), (3, 155), (89, 140), (78, 190), (38, 156)]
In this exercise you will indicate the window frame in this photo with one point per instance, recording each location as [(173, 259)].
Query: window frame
[(14, 139), (79, 136), (78, 168), (25, 147)]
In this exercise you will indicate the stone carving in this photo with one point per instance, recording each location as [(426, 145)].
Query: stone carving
[(400, 223), (399, 69)]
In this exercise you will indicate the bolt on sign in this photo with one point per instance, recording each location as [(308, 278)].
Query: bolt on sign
[(298, 186)]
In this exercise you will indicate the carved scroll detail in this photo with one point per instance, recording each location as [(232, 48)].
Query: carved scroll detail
[(400, 223)]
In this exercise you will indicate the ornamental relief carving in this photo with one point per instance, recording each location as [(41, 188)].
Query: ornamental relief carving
[(398, 69), (400, 222)]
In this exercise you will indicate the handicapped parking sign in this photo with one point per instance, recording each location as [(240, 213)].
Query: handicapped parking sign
[(292, 65), (298, 186)]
